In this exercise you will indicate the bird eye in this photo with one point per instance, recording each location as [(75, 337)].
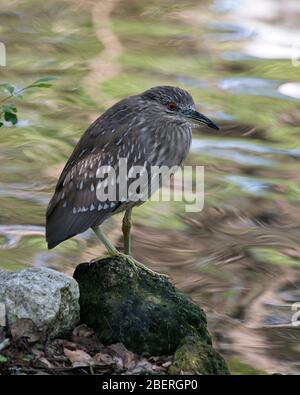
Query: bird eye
[(172, 106)]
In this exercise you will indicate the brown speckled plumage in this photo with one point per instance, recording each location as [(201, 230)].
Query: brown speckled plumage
[(140, 128)]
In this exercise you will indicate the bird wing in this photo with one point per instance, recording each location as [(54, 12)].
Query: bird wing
[(74, 206), (100, 135)]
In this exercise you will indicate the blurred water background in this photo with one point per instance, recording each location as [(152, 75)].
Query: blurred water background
[(240, 257)]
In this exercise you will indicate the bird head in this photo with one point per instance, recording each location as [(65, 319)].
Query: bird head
[(176, 105)]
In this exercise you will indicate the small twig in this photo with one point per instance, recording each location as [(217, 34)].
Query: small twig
[(15, 93)]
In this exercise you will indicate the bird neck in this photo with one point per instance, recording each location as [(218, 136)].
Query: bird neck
[(168, 144)]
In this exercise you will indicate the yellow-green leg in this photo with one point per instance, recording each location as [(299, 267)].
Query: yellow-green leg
[(114, 252), (126, 227), (105, 240)]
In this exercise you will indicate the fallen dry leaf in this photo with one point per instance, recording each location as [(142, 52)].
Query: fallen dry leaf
[(142, 365), (79, 358), (66, 355), (103, 359), (118, 348), (119, 362), (129, 359), (46, 362), (90, 344), (70, 345)]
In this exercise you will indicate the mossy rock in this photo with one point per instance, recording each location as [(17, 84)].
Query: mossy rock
[(146, 313), (196, 357)]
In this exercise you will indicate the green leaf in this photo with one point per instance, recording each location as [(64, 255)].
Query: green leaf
[(10, 117), (1, 124), (3, 359), (42, 82), (41, 85), (44, 79), (9, 108), (8, 87)]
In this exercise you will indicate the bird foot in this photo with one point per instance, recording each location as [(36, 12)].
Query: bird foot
[(137, 266), (98, 258)]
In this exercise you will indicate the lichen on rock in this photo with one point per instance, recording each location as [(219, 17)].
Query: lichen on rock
[(44, 299)]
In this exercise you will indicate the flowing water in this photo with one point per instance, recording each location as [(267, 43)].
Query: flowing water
[(240, 257)]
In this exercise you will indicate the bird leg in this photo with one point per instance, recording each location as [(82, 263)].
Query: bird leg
[(126, 226), (104, 239), (136, 265)]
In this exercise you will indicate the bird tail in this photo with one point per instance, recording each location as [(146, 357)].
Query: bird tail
[(62, 223)]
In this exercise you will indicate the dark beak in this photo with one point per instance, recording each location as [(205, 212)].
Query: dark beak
[(198, 118)]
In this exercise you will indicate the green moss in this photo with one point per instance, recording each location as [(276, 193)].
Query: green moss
[(146, 313), (195, 356)]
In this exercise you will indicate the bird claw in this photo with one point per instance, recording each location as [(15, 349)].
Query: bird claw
[(138, 266)]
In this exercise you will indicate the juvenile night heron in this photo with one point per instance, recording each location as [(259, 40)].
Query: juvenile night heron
[(149, 129)]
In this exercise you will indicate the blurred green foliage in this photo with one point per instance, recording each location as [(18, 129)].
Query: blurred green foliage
[(8, 111)]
